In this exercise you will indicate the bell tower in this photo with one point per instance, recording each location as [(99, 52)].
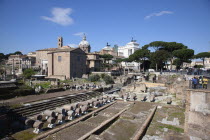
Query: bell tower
[(60, 42)]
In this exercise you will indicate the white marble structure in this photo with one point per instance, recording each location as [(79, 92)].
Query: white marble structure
[(107, 47), (128, 49)]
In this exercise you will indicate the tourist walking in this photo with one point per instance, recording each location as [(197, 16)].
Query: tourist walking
[(194, 83), (154, 79), (205, 82), (197, 85)]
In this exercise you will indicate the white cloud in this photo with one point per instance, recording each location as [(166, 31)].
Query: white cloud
[(158, 14), (73, 45), (60, 16), (79, 34)]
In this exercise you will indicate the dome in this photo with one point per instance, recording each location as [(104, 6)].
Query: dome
[(84, 45), (84, 42), (108, 47)]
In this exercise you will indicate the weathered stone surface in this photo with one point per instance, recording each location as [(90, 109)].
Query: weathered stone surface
[(197, 120), (174, 122), (147, 137), (140, 87)]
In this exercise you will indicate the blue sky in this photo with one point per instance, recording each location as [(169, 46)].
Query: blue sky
[(29, 25)]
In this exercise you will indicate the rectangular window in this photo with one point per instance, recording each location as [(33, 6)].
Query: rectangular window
[(59, 58)]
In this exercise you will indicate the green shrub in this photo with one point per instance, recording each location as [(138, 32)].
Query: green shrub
[(66, 81), (94, 78), (28, 73), (102, 75), (108, 79), (23, 92), (44, 85)]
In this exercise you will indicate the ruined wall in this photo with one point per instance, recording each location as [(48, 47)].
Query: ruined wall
[(176, 84), (197, 114)]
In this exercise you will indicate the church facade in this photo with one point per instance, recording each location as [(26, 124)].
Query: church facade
[(66, 63)]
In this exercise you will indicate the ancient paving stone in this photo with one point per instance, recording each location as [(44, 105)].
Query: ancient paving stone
[(97, 119), (121, 130)]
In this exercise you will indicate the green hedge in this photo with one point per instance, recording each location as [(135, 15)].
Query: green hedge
[(94, 78), (22, 90), (108, 79)]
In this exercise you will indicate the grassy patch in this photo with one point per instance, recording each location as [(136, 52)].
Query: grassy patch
[(15, 106), (179, 115), (44, 85), (171, 127), (171, 112), (24, 135), (174, 95)]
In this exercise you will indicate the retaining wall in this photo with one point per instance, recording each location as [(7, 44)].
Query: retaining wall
[(197, 114)]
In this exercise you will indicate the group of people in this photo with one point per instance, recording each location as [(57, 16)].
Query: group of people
[(199, 82)]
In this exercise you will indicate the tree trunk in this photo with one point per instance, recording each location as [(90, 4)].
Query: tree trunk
[(171, 64), (156, 67)]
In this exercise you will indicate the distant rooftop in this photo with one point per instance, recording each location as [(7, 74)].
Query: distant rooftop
[(48, 49), (64, 50)]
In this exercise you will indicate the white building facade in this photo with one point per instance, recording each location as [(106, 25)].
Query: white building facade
[(128, 49), (135, 66), (207, 63)]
